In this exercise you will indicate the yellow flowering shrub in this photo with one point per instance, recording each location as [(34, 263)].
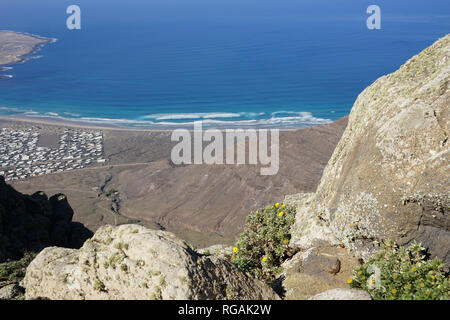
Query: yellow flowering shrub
[(263, 245), (402, 273)]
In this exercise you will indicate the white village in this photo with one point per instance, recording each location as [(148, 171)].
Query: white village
[(22, 157)]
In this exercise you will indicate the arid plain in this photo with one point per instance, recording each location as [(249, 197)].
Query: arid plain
[(203, 204)]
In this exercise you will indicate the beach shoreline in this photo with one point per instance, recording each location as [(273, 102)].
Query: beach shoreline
[(55, 121)]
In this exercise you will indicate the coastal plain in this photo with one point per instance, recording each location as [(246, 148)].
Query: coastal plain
[(202, 204)]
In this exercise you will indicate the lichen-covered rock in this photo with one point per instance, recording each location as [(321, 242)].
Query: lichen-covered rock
[(132, 262), (342, 294), (316, 270), (308, 231), (218, 250), (389, 176)]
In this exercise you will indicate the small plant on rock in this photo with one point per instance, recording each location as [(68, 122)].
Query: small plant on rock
[(263, 245), (402, 273)]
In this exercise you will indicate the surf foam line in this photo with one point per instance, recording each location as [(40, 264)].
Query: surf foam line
[(197, 116), (277, 119)]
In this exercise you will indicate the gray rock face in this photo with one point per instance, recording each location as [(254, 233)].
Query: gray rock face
[(308, 230), (342, 294), (389, 176), (30, 223), (132, 262), (218, 250)]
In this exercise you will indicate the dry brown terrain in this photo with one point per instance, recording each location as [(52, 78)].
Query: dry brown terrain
[(203, 204)]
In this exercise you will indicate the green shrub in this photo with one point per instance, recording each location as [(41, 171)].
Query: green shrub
[(404, 274), (263, 245), (14, 270)]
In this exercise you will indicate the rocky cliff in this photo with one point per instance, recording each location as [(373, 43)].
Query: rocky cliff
[(31, 223), (388, 177)]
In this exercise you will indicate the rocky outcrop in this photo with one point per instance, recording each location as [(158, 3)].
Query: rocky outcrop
[(316, 270), (308, 230), (342, 294), (132, 262), (218, 250), (388, 177), (31, 223)]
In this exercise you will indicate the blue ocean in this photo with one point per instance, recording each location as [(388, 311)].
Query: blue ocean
[(163, 63)]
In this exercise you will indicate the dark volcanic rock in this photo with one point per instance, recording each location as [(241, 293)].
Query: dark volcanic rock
[(31, 223)]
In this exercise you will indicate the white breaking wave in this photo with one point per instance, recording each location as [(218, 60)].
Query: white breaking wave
[(278, 119), (300, 119), (10, 109), (73, 114), (187, 116), (52, 114)]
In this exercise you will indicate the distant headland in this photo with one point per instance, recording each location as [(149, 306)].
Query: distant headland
[(16, 47)]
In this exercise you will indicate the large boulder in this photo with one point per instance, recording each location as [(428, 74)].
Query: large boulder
[(132, 262), (31, 223), (389, 176)]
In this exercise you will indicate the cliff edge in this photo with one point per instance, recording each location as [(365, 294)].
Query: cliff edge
[(388, 177)]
